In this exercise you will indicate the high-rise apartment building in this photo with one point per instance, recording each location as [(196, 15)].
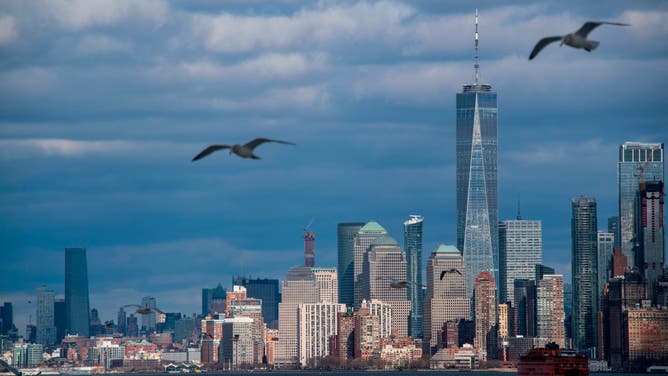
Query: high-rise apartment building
[(638, 162), (300, 286), (550, 309), (237, 342), (328, 284), (212, 335), (605, 249), (477, 192), (506, 320), (384, 313), (251, 308), (345, 336), (238, 292), (520, 250), (384, 263), (413, 248), (317, 323), (584, 268), (365, 236), (650, 228), (76, 292), (367, 333), (484, 295), (149, 320), (346, 233), (446, 298), (46, 330), (267, 291)]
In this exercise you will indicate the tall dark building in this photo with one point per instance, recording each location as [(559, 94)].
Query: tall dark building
[(60, 319), (542, 270), (309, 248), (584, 269), (122, 321), (132, 326), (526, 307), (76, 292), (346, 233), (214, 300), (267, 291), (7, 318), (650, 228), (613, 227), (413, 249), (477, 192)]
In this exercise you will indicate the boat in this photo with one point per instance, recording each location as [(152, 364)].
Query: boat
[(552, 361)]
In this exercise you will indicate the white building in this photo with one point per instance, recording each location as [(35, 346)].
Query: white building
[(317, 322), (520, 249), (328, 283), (237, 346)]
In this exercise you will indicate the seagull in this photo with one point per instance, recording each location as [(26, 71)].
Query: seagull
[(143, 310), (577, 39), (244, 151), (397, 283), (453, 270)]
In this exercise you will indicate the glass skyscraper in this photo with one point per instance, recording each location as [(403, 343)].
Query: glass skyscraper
[(413, 248), (46, 329), (637, 161), (77, 310), (584, 269), (346, 233), (477, 207), (520, 250)]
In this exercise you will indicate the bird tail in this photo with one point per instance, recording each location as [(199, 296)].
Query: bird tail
[(254, 157), (591, 45)]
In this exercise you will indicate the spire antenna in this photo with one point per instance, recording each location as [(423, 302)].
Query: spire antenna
[(476, 66), (519, 213)]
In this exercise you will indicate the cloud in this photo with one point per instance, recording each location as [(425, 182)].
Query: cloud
[(101, 44), (7, 29), (82, 14)]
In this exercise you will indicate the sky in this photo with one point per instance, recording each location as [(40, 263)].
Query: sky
[(103, 104)]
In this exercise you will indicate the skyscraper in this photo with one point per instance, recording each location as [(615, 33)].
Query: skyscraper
[(413, 248), (605, 246), (328, 284), (317, 323), (59, 319), (76, 292), (213, 300), (299, 286), (46, 329), (7, 317), (446, 298), (484, 296), (346, 233), (383, 262), (363, 239), (520, 250), (584, 270), (267, 291), (637, 161), (613, 227), (309, 248), (650, 228), (477, 196), (148, 321), (550, 309), (122, 319), (542, 270)]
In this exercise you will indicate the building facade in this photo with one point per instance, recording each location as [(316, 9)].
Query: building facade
[(346, 233), (605, 245), (486, 324), (584, 269), (446, 298), (328, 284), (300, 286), (149, 321), (267, 291), (46, 329), (317, 323), (413, 248), (384, 264), (365, 236), (638, 162), (651, 251), (520, 250), (550, 309), (237, 342), (76, 292), (213, 300)]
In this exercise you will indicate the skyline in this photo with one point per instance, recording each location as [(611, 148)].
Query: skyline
[(99, 120)]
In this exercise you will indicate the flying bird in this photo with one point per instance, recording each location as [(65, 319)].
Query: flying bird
[(397, 283), (453, 270), (577, 39), (143, 310), (244, 151)]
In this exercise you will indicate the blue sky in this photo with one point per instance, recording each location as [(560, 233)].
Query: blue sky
[(104, 103)]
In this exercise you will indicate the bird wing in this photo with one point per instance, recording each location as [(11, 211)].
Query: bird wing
[(591, 25), (541, 44), (442, 274), (258, 141), (210, 150)]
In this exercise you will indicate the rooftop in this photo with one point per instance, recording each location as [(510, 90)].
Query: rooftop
[(372, 226)]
